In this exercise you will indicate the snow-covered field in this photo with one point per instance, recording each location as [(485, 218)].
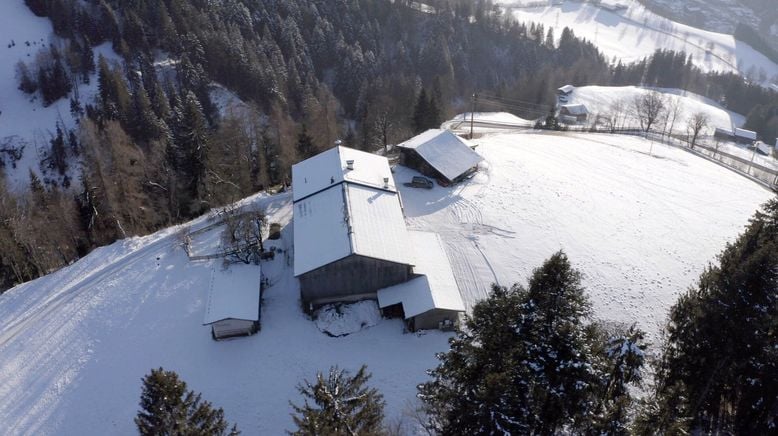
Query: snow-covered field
[(641, 228), (635, 33), (74, 345), (603, 100)]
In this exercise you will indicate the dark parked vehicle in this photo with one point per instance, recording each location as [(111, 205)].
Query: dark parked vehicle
[(420, 182)]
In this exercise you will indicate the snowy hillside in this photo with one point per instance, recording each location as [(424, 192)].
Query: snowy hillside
[(74, 345), (604, 100), (23, 119), (635, 33)]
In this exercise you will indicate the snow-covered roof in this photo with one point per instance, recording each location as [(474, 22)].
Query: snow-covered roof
[(575, 109), (567, 89), (349, 219), (436, 288), (446, 152), (331, 167), (747, 134), (233, 294)]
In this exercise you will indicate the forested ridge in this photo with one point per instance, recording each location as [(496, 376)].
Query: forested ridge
[(153, 150)]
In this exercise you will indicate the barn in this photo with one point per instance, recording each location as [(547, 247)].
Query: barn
[(233, 305), (573, 113), (350, 237), (743, 136), (439, 154), (430, 300)]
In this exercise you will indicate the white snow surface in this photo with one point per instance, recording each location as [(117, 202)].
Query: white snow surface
[(23, 119), (345, 319), (601, 100), (635, 33), (640, 227), (444, 151), (435, 289), (349, 219), (330, 168), (233, 293), (74, 345)]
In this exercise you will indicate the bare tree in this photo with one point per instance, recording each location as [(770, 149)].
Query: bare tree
[(242, 237), (694, 126), (673, 110), (649, 108)]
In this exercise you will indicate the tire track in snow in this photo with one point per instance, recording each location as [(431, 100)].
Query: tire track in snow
[(75, 288)]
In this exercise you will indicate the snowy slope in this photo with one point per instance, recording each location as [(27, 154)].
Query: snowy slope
[(23, 119), (600, 100), (74, 345), (636, 33), (641, 228)]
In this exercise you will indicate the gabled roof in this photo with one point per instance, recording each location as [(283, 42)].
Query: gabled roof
[(233, 294), (575, 109), (449, 154), (349, 219), (330, 168), (567, 89), (747, 134), (436, 288)]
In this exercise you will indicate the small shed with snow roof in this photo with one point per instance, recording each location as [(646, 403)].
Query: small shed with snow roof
[(234, 298), (439, 154)]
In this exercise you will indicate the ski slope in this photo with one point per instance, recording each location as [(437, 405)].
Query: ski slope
[(75, 344), (636, 32)]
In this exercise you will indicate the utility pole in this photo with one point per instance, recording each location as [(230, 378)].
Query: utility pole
[(472, 116)]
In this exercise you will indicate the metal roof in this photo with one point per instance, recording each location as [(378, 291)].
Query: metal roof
[(449, 154), (233, 294)]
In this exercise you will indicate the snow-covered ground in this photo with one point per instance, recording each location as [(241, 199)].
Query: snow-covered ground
[(635, 33), (23, 119), (603, 101), (75, 344), (486, 122), (641, 228)]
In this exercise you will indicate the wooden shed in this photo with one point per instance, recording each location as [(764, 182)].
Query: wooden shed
[(350, 237), (573, 113), (234, 298), (439, 154)]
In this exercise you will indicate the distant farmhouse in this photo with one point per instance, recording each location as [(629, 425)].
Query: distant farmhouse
[(439, 154), (351, 241), (741, 136), (573, 113), (563, 93), (233, 305)]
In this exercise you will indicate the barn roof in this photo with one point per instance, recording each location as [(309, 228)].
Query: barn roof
[(436, 288), (233, 294), (575, 109), (747, 134), (349, 219), (567, 89), (331, 167), (446, 152)]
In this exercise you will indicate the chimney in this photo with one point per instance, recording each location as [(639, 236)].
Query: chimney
[(386, 182), (350, 164)]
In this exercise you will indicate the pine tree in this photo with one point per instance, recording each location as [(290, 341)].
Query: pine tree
[(719, 362), (421, 113), (342, 406), (168, 408), (305, 147), (191, 144)]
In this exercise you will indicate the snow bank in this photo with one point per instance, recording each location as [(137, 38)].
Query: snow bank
[(345, 319)]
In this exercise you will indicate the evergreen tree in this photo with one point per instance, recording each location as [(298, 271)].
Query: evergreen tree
[(719, 363), (305, 147), (168, 408), (421, 113), (342, 405), (526, 363), (191, 143)]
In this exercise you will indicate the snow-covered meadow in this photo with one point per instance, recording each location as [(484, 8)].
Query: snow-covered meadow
[(74, 345), (636, 32)]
